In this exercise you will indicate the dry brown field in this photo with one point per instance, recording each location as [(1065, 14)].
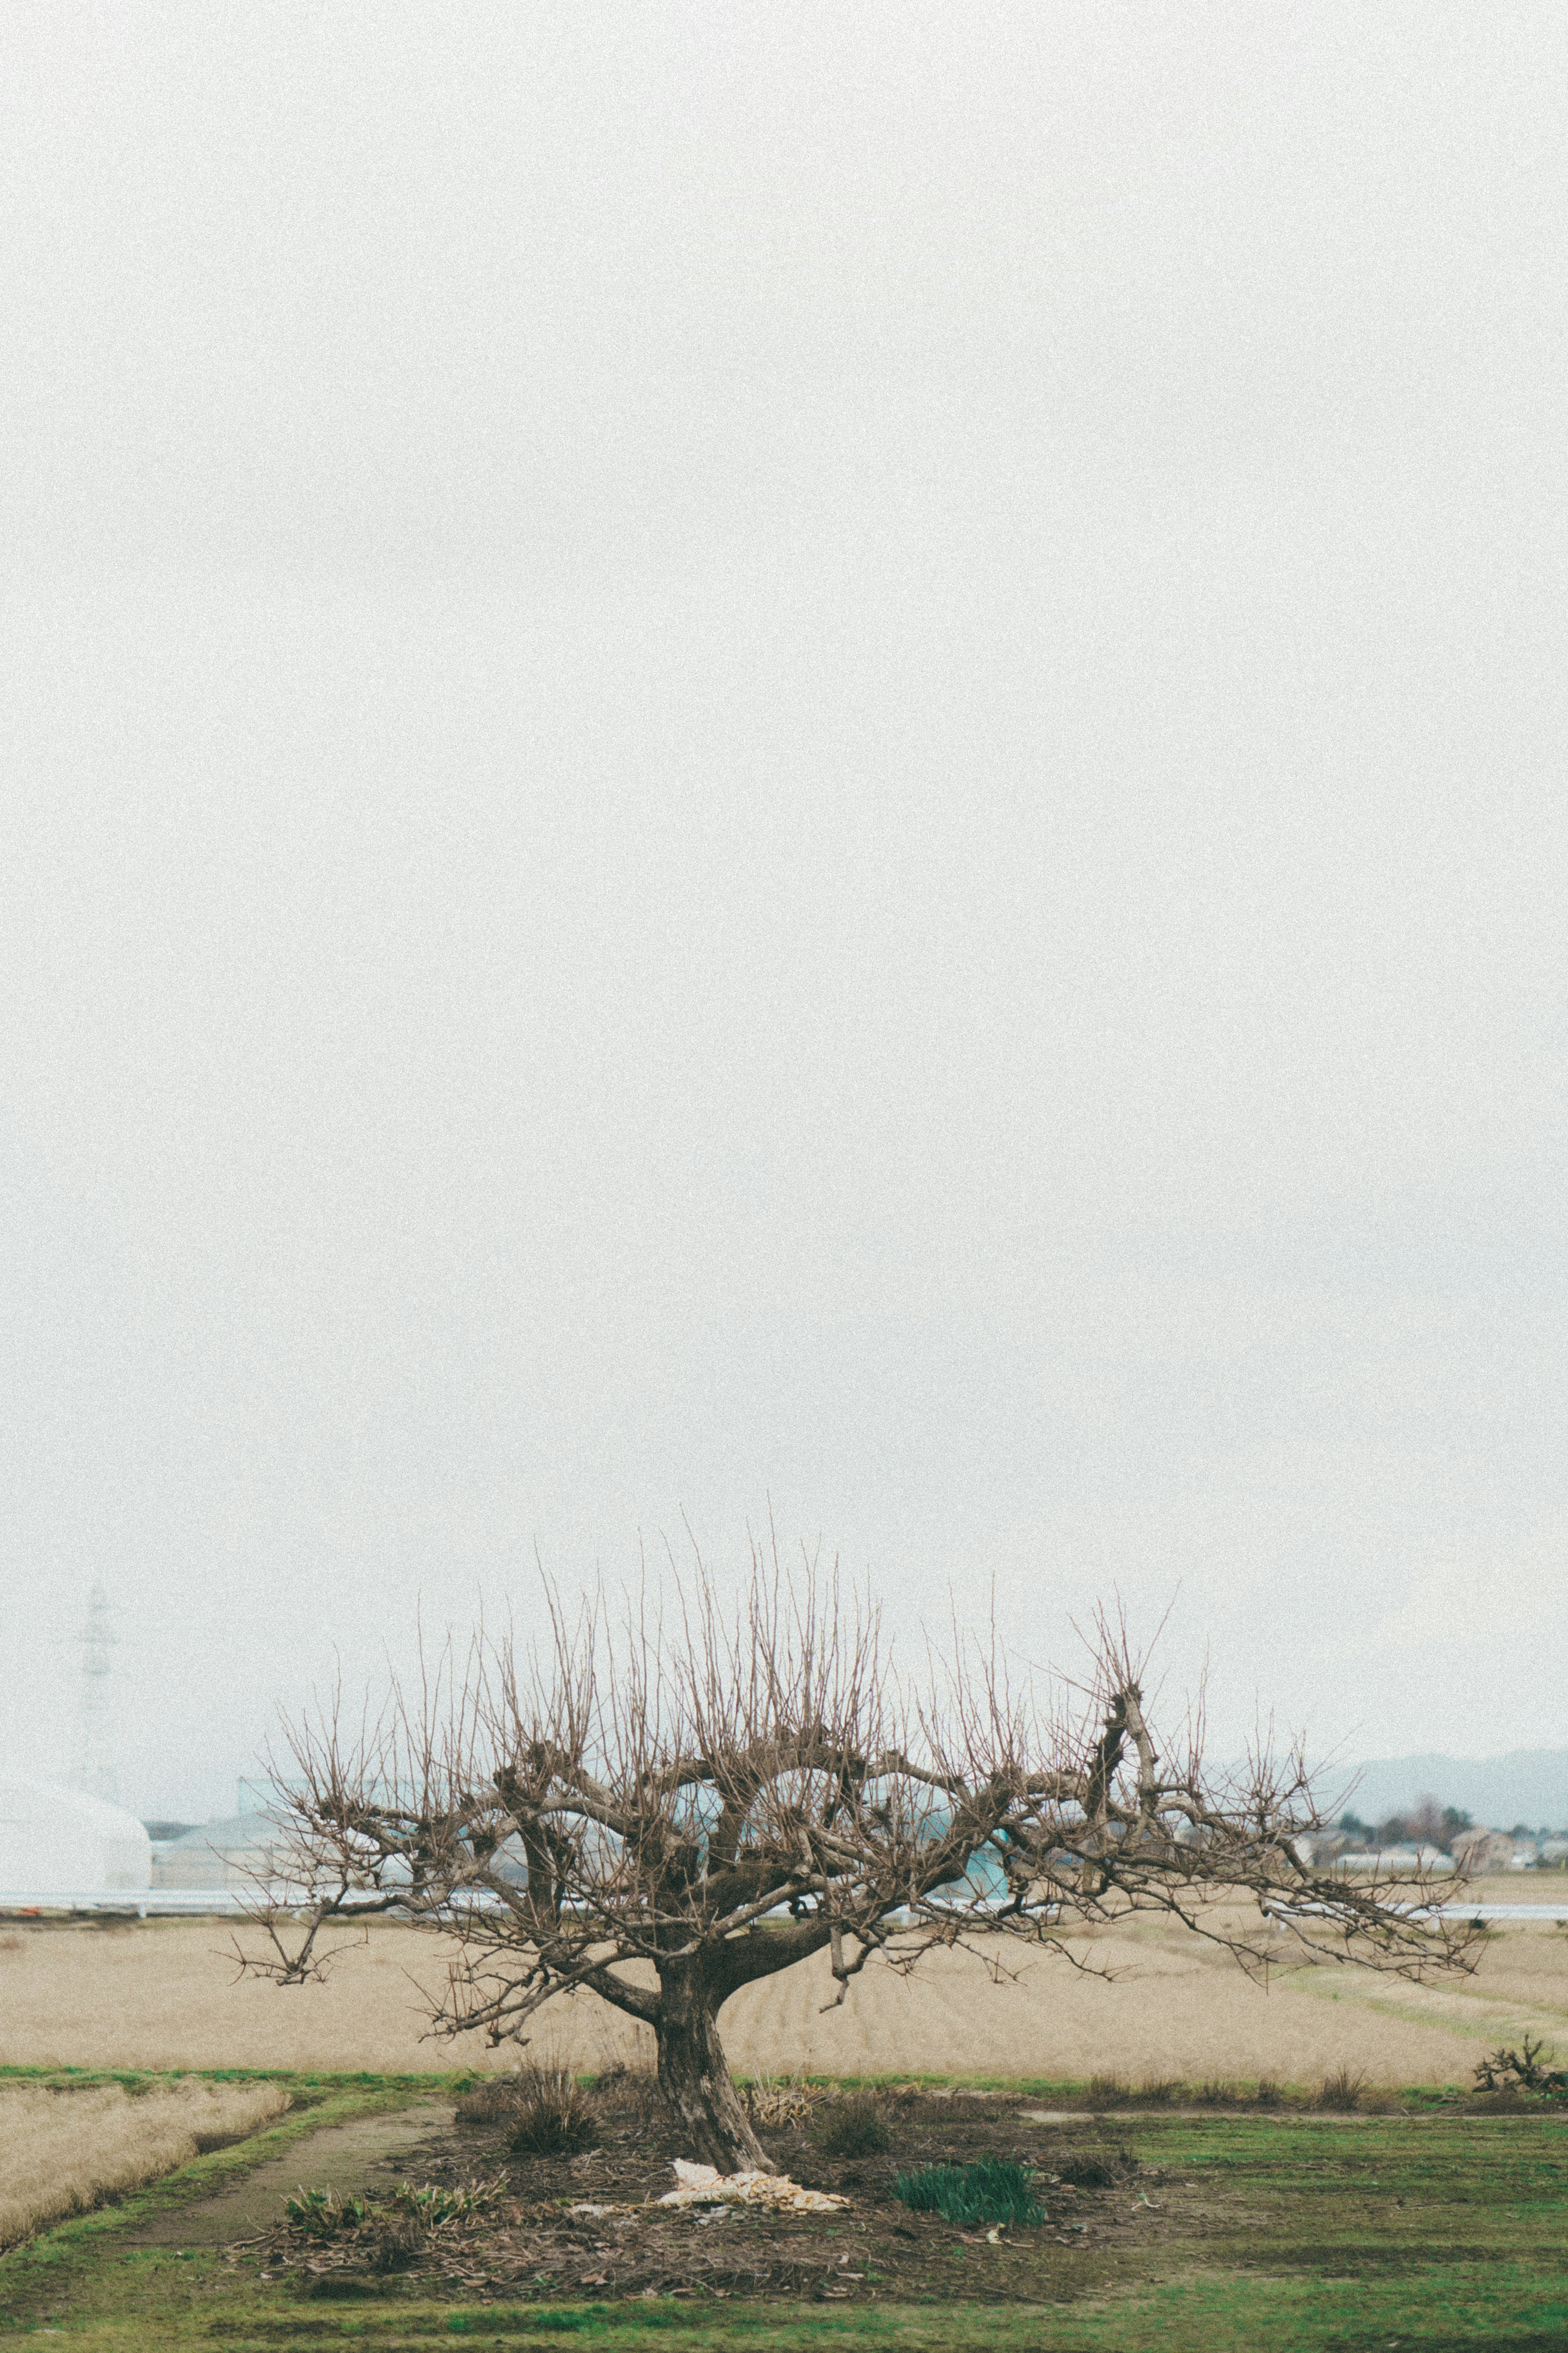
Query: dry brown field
[(163, 1994), (62, 2152)]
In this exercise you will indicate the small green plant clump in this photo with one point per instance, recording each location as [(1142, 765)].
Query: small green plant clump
[(990, 2190), (322, 2214), (389, 2233), (854, 2127), (435, 2207)]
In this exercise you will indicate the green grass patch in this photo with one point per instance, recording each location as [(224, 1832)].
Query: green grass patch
[(1092, 2091), (1505, 2312), (296, 2080), (1440, 2230)]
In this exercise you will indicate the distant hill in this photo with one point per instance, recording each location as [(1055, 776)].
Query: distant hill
[(1528, 1784)]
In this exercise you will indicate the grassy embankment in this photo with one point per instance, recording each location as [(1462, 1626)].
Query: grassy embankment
[(1306, 2235), (62, 2149)]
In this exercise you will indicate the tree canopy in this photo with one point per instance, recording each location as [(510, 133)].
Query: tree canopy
[(660, 1809)]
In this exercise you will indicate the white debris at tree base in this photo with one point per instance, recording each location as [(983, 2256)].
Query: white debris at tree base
[(704, 2184)]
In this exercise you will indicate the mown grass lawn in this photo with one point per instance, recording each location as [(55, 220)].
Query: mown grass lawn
[(1300, 2235)]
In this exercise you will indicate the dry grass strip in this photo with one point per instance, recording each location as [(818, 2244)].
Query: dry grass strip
[(62, 2152), (162, 1994)]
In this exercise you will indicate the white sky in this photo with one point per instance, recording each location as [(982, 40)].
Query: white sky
[(810, 752)]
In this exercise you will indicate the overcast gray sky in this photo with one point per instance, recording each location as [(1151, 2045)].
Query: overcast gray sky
[(809, 752)]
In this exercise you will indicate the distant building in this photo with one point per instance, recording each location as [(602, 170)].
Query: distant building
[(232, 1853), (1394, 1858), (57, 1843)]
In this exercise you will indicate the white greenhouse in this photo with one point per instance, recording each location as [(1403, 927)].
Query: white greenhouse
[(55, 1843)]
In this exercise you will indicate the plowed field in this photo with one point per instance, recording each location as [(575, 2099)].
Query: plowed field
[(163, 1994)]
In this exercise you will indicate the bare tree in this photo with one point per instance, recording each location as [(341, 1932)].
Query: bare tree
[(663, 1813)]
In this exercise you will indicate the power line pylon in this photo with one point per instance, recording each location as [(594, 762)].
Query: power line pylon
[(95, 1757)]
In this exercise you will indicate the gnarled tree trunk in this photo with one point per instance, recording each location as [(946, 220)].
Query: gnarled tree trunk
[(694, 2075)]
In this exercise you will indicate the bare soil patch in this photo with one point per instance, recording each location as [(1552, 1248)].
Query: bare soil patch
[(589, 2227)]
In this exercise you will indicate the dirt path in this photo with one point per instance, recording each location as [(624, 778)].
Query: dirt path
[(367, 2154)]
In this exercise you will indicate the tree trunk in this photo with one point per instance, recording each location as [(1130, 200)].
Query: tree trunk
[(694, 2075)]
